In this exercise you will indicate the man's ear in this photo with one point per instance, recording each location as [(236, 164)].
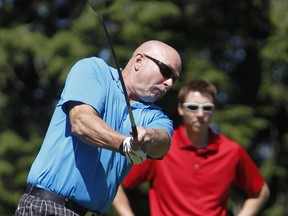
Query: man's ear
[(180, 109), (138, 62), (136, 66)]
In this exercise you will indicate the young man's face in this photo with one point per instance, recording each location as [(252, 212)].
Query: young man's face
[(197, 111)]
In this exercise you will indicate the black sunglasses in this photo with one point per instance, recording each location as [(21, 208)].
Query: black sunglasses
[(164, 69), (194, 107)]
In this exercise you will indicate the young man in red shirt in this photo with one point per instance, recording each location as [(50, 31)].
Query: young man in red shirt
[(195, 177)]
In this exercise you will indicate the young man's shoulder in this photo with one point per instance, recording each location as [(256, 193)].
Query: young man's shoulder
[(228, 143)]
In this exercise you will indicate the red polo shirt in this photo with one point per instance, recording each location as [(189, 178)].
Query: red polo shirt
[(191, 181)]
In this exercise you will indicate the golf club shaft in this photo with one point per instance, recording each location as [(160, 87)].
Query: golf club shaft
[(133, 125)]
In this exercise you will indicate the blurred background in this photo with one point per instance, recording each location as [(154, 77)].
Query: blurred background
[(241, 46)]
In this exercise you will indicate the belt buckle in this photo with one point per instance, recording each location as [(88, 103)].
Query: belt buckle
[(90, 213)]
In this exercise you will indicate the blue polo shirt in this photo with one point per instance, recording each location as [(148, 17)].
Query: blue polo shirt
[(84, 173)]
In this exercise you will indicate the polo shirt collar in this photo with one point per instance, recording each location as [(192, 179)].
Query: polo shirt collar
[(115, 76), (185, 143)]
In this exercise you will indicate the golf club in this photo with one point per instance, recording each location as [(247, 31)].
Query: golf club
[(96, 5)]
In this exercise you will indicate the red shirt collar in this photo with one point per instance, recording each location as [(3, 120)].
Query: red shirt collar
[(185, 143)]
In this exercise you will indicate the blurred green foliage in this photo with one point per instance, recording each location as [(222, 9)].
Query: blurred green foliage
[(240, 46)]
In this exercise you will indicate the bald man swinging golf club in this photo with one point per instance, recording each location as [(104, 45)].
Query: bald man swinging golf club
[(88, 148)]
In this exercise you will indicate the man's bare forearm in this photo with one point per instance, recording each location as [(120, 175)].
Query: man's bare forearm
[(121, 203), (253, 205), (89, 127)]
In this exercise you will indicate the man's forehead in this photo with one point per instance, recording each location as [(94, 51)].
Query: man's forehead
[(197, 94)]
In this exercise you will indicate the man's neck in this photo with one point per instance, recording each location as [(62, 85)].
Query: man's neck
[(199, 139)]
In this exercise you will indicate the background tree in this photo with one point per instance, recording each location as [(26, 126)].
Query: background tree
[(240, 46)]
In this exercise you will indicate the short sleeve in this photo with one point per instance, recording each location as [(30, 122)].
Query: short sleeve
[(248, 177), (86, 83), (139, 174)]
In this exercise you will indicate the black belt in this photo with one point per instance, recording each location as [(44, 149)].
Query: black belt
[(48, 195)]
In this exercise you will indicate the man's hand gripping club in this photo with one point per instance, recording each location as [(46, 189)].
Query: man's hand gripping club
[(132, 155)]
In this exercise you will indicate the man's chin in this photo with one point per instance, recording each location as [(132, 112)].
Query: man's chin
[(197, 128), (160, 96), (148, 99), (152, 98)]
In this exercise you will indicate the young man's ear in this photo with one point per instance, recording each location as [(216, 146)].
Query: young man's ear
[(180, 109)]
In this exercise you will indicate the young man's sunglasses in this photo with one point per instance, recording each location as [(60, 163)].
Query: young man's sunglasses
[(194, 107), (164, 69)]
